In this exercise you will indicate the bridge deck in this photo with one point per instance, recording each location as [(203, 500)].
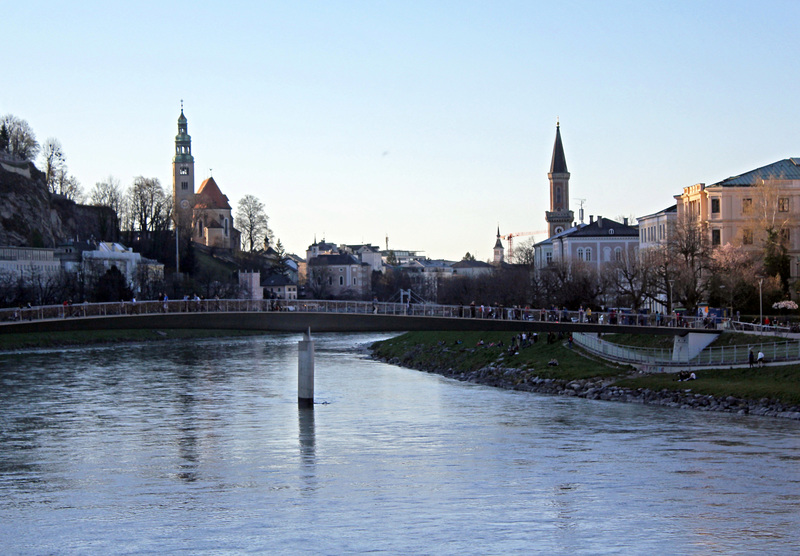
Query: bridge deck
[(320, 316)]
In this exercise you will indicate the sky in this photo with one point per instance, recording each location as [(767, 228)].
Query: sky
[(430, 123)]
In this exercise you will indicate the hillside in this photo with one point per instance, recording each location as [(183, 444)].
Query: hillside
[(31, 217)]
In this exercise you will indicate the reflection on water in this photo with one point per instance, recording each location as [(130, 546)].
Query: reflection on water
[(199, 446)]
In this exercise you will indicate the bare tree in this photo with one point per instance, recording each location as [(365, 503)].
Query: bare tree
[(524, 253), (53, 163), (773, 216), (633, 277), (21, 139), (252, 220), (690, 249), (150, 207), (69, 186), (107, 193)]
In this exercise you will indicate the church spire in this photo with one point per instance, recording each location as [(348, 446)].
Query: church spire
[(558, 164), (559, 217)]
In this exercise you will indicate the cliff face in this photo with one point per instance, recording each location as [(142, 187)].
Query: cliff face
[(32, 217)]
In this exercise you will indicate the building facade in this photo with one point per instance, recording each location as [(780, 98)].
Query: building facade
[(735, 210)]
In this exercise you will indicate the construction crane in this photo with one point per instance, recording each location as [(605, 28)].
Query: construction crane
[(510, 237)]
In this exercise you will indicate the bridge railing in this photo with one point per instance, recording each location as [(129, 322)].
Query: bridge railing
[(788, 350), (127, 308)]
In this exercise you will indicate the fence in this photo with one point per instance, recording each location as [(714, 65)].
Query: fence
[(125, 308), (788, 350)]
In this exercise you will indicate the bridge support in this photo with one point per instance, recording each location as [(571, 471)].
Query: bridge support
[(305, 371), (690, 345)]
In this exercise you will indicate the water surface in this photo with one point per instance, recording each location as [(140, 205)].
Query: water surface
[(198, 446)]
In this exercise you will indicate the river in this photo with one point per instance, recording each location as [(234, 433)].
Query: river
[(198, 447)]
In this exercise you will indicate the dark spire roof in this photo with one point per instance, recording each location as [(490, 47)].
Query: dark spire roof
[(498, 243), (558, 165)]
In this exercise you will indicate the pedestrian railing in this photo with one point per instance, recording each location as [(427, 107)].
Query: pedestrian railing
[(788, 350), (150, 307)]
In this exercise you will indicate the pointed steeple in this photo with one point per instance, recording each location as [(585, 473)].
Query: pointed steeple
[(499, 251), (558, 164), (559, 217)]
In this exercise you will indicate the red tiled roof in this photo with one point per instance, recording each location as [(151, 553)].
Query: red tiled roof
[(209, 196)]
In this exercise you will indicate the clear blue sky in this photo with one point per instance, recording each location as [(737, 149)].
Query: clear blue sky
[(430, 121)]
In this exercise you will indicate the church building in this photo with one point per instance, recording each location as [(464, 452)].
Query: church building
[(207, 213)]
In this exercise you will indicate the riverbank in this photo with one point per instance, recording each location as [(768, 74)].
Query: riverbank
[(13, 342), (555, 368)]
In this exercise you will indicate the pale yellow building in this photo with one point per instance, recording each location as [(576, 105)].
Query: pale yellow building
[(732, 207)]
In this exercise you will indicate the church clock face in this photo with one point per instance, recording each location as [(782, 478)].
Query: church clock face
[(184, 204)]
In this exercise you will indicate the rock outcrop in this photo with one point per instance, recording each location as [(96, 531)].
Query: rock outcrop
[(31, 217)]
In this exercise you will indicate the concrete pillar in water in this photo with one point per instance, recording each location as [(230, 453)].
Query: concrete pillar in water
[(305, 371)]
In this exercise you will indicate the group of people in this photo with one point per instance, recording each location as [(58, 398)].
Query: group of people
[(755, 359)]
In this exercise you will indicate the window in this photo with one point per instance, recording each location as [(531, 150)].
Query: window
[(548, 258), (607, 254), (747, 237), (184, 171), (184, 185), (588, 253), (714, 206), (341, 280), (716, 237), (580, 254), (355, 282), (747, 206), (783, 204), (618, 254)]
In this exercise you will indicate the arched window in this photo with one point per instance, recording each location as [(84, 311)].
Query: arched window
[(617, 254), (580, 253), (607, 254), (588, 253)]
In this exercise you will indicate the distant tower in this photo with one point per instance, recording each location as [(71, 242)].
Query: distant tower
[(559, 217), (498, 249), (183, 174)]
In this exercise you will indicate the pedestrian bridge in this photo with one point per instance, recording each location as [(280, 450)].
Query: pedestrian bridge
[(331, 316)]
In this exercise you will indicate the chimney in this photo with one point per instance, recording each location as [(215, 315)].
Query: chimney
[(625, 221), (599, 221), (591, 219)]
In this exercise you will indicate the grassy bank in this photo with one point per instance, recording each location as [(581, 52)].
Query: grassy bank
[(432, 350), (88, 337), (440, 351)]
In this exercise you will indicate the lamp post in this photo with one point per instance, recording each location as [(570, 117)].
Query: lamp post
[(671, 282), (760, 307)]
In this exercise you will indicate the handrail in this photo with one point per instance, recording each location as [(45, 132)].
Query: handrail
[(128, 308), (788, 350)]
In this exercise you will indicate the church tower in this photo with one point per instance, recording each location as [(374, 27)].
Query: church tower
[(559, 217), (499, 252), (183, 174)]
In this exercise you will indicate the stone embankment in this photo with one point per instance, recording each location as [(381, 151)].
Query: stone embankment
[(604, 389)]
